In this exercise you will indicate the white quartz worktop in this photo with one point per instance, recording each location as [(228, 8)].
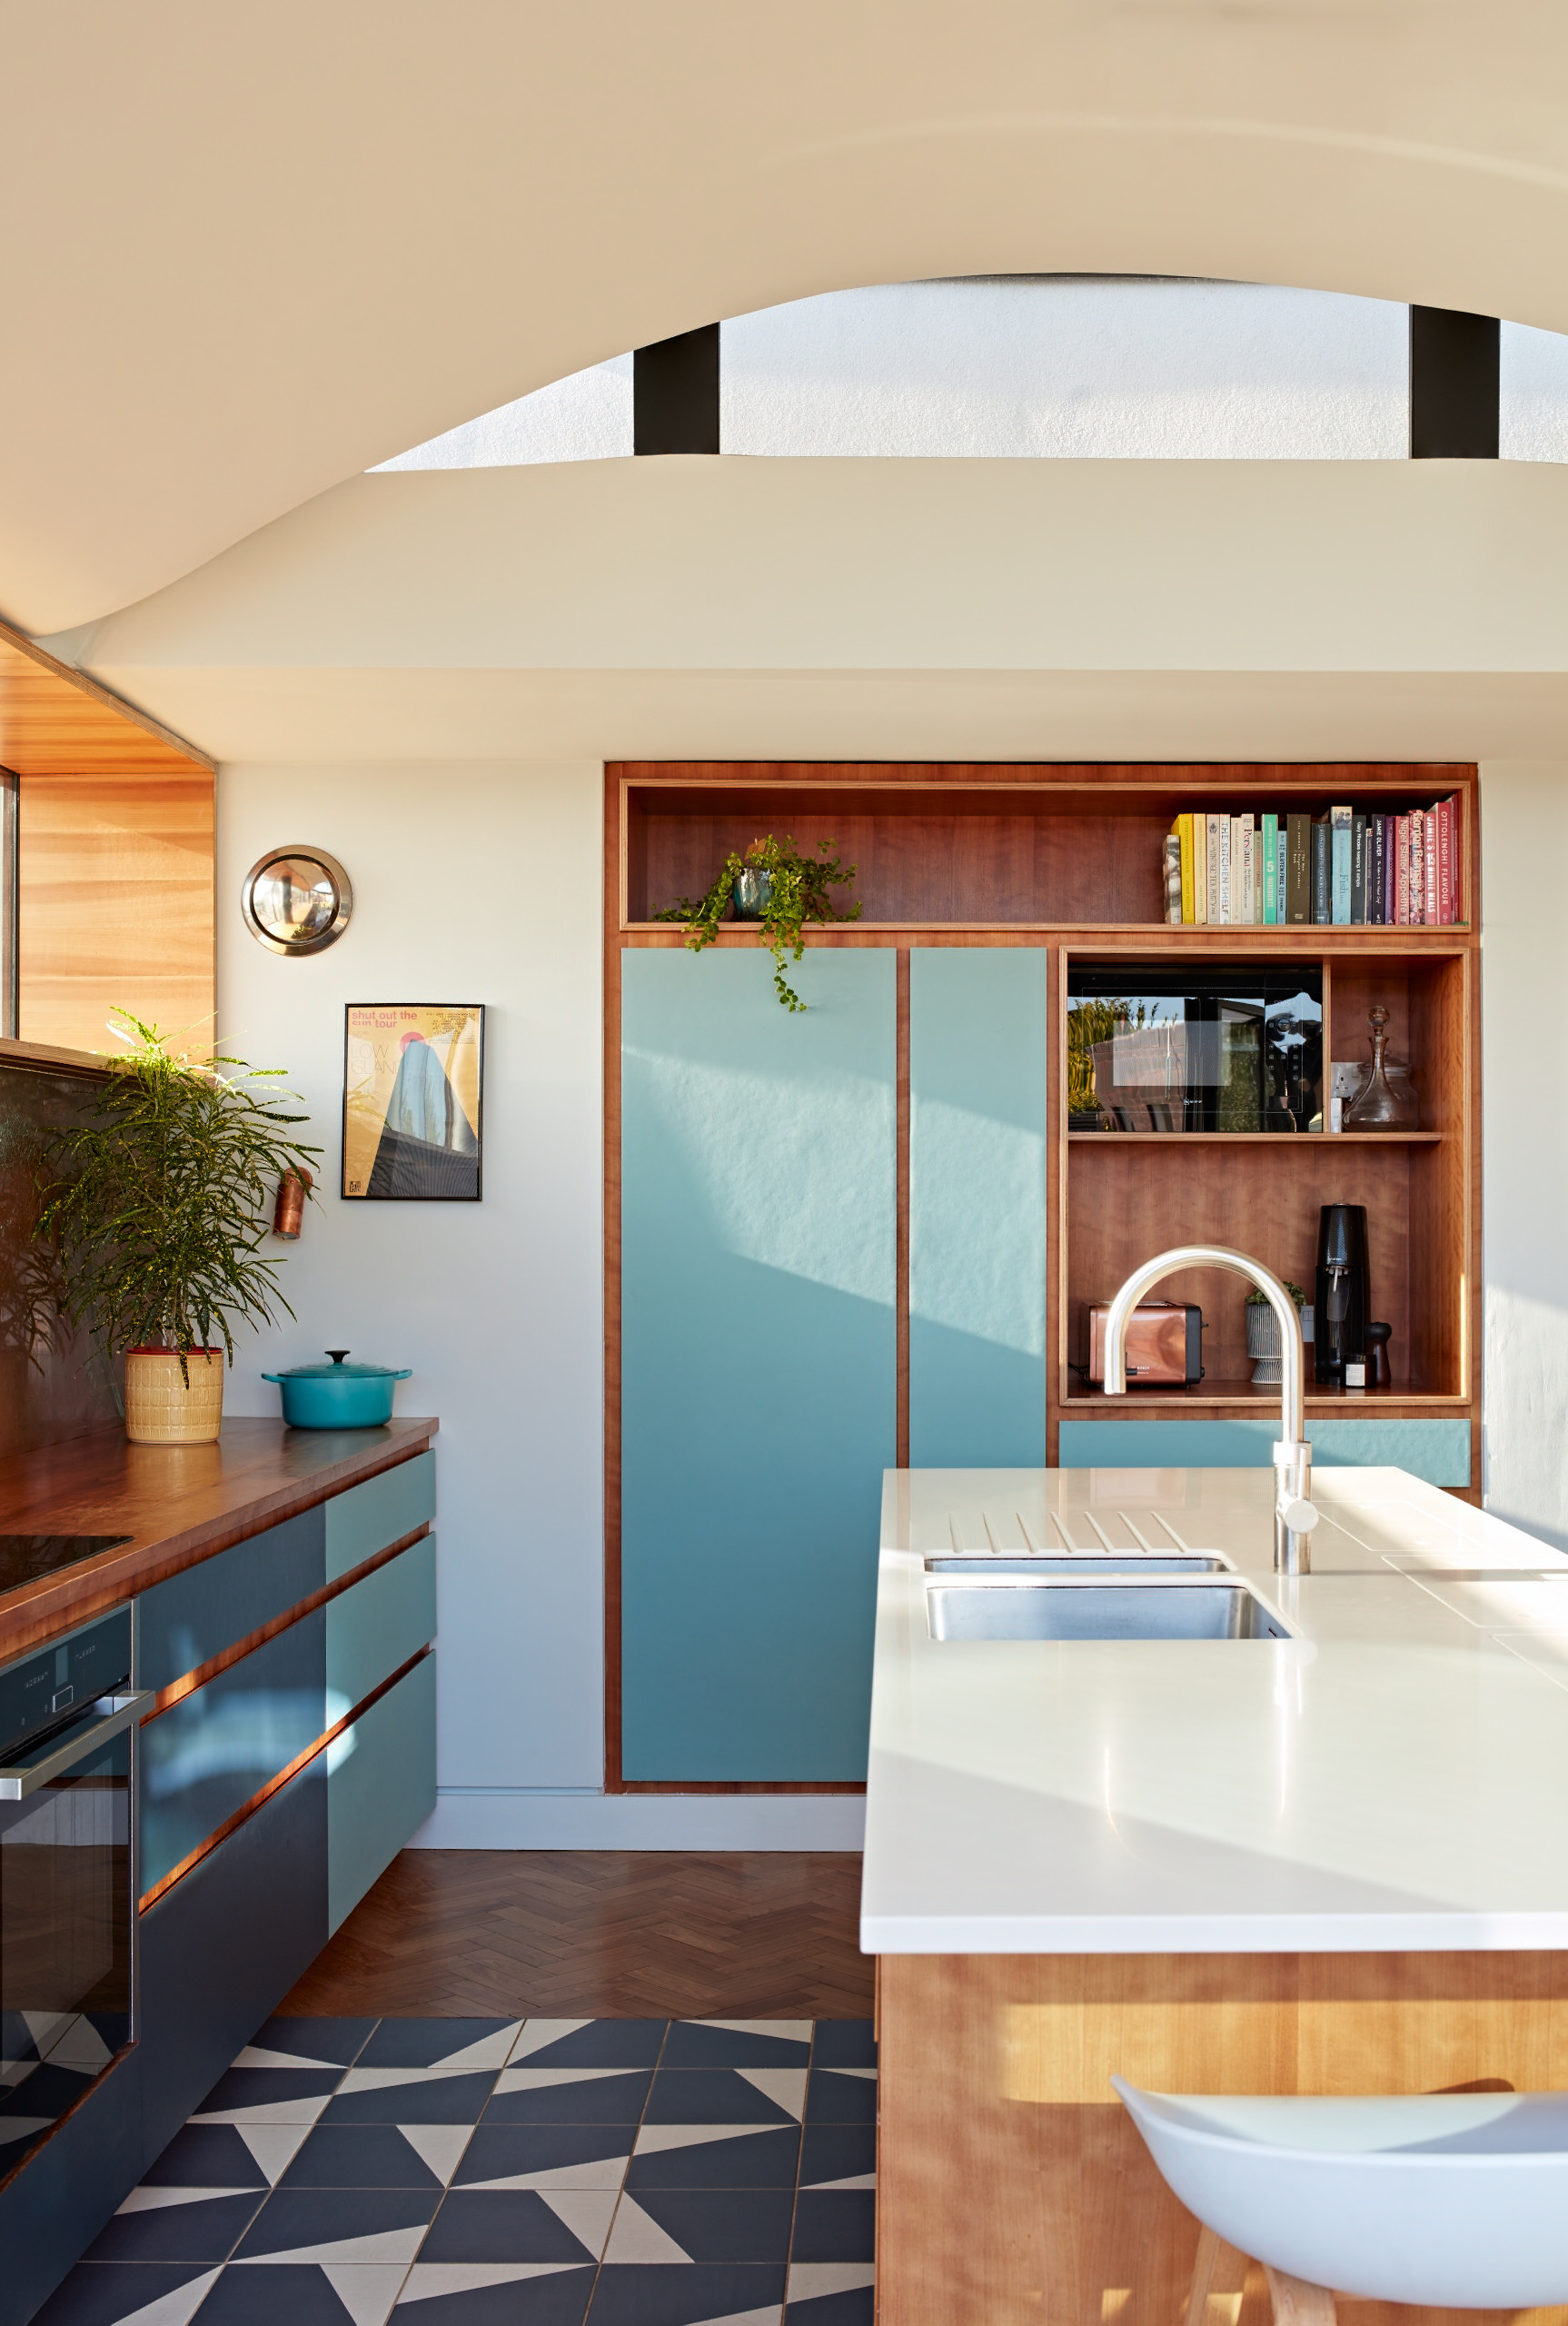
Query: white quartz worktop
[(1393, 1775)]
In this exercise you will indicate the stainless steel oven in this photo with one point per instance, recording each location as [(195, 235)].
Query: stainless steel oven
[(68, 1879)]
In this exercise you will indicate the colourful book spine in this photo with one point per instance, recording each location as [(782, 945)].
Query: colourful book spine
[(1241, 844), (1444, 864), (1298, 868), (1212, 824), (1183, 831), (1429, 866), (1358, 913), (1390, 869), (1225, 828), (1375, 847), (1257, 875), (1272, 914), (1418, 869), (1456, 822), (1339, 839), (1402, 870), (1322, 872)]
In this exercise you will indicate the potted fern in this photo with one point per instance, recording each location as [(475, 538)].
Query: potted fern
[(778, 888), (154, 1212)]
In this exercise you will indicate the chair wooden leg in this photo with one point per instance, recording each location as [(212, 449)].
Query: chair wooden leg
[(1295, 2303), (1219, 2270)]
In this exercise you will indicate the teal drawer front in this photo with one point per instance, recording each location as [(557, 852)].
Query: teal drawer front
[(379, 1624), (185, 1622), (977, 1048), (1435, 1450), (382, 1510), (381, 1787)]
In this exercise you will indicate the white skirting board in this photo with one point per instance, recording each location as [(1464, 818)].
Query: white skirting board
[(500, 1818)]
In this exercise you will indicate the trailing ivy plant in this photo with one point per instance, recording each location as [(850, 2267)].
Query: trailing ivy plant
[(154, 1210), (797, 892)]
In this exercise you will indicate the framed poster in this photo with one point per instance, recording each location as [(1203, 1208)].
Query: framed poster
[(413, 1075)]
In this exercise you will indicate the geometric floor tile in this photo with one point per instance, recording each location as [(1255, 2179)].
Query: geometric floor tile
[(699, 2296), (112, 2293), (268, 2097), (569, 2096), (727, 2096), (715, 2156), (851, 2307), (342, 2225), (811, 2281), (545, 2156), (504, 2294), (844, 2043), (589, 2043), (717, 2225), (201, 2227), (838, 2156), (303, 2296), (835, 2225), (409, 2096), (738, 2043), (337, 2043), (377, 2156), (842, 2096), (440, 2043), (211, 2156), (568, 2227)]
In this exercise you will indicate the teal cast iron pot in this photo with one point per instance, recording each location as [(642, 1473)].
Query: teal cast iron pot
[(338, 1395)]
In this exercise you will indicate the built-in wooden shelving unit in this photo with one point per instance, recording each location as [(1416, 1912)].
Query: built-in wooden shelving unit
[(1068, 858)]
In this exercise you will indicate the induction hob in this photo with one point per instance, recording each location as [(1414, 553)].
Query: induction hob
[(25, 1559)]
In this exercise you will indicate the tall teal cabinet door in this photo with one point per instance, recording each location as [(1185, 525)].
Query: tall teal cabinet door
[(757, 1356), (978, 1052)]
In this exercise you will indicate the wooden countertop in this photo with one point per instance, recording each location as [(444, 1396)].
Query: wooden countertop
[(178, 1504)]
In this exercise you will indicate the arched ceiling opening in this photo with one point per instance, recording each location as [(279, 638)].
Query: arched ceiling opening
[(251, 253)]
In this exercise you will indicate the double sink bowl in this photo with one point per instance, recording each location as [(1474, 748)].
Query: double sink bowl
[(1090, 1596)]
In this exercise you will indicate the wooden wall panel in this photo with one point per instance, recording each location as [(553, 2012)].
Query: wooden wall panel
[(117, 906), (55, 722)]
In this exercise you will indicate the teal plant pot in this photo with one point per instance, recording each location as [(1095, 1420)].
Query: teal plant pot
[(338, 1395), (751, 895)]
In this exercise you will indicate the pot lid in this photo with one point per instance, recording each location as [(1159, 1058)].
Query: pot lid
[(340, 1369)]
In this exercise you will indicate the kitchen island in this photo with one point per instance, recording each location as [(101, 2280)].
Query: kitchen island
[(1331, 1860)]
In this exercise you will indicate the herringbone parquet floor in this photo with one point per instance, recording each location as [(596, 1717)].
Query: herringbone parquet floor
[(599, 1934)]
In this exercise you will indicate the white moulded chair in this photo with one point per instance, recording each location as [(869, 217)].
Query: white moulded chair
[(1455, 2199)]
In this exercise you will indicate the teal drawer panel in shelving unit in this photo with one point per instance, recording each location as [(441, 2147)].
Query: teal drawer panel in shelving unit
[(377, 1624), (382, 1510), (1437, 1449), (978, 1052), (380, 1786), (186, 1621), (758, 1359)]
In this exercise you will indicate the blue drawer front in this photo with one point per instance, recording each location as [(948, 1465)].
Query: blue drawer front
[(1435, 1450), (382, 1511), (379, 1624), (185, 1622), (211, 1750), (979, 1023), (380, 1786)]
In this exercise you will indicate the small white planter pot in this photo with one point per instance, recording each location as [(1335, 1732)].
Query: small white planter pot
[(162, 1408), (1263, 1344)]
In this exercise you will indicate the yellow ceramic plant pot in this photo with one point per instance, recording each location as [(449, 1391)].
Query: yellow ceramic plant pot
[(161, 1409)]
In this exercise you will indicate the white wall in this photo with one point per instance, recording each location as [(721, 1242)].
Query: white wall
[(1524, 1119), (472, 883)]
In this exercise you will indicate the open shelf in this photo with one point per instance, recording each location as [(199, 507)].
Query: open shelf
[(983, 847), (1084, 1398), (1253, 1137)]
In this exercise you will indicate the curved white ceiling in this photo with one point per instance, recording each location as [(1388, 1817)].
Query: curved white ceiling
[(252, 252)]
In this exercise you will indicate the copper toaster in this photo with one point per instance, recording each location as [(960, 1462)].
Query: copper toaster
[(1165, 1343)]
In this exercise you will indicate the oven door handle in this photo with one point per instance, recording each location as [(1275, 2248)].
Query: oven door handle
[(118, 1712)]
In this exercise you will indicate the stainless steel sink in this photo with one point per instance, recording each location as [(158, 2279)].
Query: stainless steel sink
[(1055, 1608), (1089, 1565)]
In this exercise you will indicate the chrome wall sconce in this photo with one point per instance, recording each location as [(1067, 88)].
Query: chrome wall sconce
[(296, 901)]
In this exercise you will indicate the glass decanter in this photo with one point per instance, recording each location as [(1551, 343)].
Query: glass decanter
[(1382, 1104)]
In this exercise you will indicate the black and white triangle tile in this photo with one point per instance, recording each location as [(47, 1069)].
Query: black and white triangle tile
[(507, 2173)]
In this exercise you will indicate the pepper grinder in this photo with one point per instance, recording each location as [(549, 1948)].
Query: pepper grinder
[(1379, 1372)]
